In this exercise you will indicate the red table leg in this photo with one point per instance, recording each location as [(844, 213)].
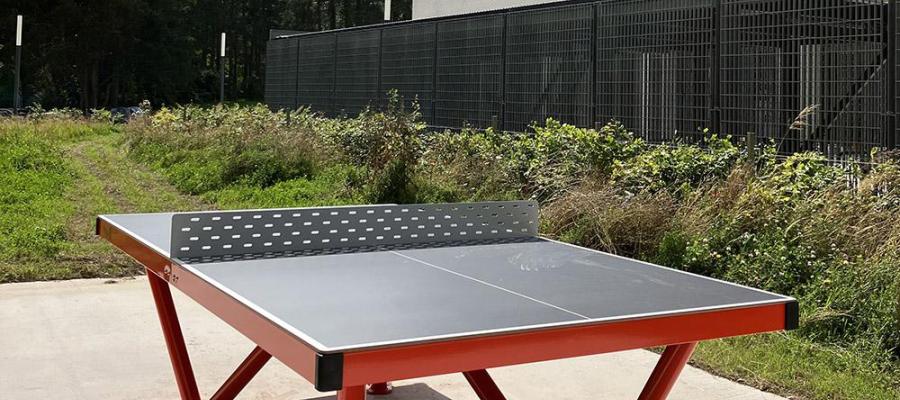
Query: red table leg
[(483, 385), (352, 393), (666, 372), (379, 389), (242, 376), (178, 354)]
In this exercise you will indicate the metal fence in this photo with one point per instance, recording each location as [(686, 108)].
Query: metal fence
[(666, 68)]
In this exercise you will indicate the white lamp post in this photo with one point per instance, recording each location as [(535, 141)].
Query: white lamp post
[(222, 70), (17, 94)]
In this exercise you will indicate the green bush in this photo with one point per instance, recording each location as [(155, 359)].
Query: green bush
[(202, 150), (560, 155), (470, 165), (543, 164), (676, 168), (388, 144)]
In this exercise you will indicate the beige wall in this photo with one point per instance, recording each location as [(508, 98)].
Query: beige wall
[(440, 8)]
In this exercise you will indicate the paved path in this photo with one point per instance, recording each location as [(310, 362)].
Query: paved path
[(88, 339)]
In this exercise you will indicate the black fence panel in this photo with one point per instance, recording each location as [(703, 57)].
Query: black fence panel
[(407, 64), (356, 70), (806, 75), (653, 61), (315, 73), (469, 71), (892, 105), (281, 74), (548, 66)]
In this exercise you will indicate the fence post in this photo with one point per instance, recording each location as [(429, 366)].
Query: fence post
[(297, 77), (333, 99), (889, 39), (434, 75), (501, 126), (751, 143), (379, 91), (595, 10), (715, 68)]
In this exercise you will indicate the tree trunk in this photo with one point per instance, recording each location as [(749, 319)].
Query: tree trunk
[(95, 84), (332, 14)]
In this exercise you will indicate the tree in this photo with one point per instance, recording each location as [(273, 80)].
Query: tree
[(93, 53)]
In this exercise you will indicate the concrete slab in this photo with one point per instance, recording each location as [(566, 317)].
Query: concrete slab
[(88, 339)]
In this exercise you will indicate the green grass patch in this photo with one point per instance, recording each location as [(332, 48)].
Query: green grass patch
[(61, 175), (34, 175), (336, 185), (792, 366)]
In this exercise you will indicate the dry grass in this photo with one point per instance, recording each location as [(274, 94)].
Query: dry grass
[(596, 215)]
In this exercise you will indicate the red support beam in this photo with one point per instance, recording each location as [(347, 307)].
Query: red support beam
[(484, 385), (168, 318), (667, 370), (352, 393), (242, 375)]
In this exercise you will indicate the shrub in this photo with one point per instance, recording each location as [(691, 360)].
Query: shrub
[(676, 168), (561, 155), (544, 164), (101, 115), (598, 216), (469, 165), (201, 150)]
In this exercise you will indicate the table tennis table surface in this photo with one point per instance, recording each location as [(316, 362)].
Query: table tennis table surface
[(358, 301)]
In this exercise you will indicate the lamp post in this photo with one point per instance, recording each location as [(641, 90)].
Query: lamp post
[(17, 95), (222, 71), (387, 10)]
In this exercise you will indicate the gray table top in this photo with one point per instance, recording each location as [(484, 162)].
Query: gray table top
[(340, 302)]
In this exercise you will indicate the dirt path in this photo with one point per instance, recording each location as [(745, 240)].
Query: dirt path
[(106, 181)]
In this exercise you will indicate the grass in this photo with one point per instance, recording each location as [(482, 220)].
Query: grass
[(788, 228), (74, 172), (791, 366), (333, 186)]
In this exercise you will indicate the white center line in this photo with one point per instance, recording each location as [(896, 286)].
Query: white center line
[(491, 285)]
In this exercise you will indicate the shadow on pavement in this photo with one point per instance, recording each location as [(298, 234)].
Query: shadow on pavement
[(417, 391)]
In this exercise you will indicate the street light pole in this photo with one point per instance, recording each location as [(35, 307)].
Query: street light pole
[(17, 92), (222, 71)]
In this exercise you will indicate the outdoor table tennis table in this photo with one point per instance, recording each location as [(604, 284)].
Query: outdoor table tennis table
[(353, 296)]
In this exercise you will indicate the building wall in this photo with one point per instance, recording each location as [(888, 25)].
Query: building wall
[(440, 8)]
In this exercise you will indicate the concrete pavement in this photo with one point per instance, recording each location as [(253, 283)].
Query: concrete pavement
[(89, 339)]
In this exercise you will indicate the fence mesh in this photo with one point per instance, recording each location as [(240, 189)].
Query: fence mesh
[(315, 72), (654, 63), (407, 63), (548, 63), (805, 75), (356, 70), (469, 71), (281, 74)]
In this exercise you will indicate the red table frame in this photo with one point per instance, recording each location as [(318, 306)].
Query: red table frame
[(349, 372)]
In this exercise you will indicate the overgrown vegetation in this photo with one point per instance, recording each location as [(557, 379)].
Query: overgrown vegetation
[(33, 175), (58, 172), (789, 225)]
